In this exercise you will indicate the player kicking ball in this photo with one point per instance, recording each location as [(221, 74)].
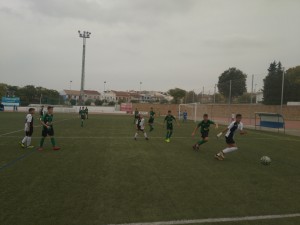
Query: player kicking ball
[(140, 126), (48, 130), (26, 142), (230, 130), (204, 130)]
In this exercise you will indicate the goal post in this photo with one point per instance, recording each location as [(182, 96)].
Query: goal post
[(191, 110)]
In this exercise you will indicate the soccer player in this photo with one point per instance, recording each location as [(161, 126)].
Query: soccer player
[(48, 130), (204, 130), (82, 114), (86, 112), (169, 121), (140, 126), (136, 115), (26, 142), (151, 119), (185, 114), (230, 130)]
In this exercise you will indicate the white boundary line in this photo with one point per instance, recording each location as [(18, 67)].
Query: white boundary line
[(216, 220)]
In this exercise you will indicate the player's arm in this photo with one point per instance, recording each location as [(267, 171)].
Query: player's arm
[(242, 131), (224, 131), (196, 128)]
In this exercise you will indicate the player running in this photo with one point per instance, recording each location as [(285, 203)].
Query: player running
[(235, 125), (151, 119), (204, 130), (140, 126), (26, 142), (48, 130), (169, 121), (82, 114), (185, 115)]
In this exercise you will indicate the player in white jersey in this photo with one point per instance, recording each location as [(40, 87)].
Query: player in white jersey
[(26, 142), (140, 126), (230, 130)]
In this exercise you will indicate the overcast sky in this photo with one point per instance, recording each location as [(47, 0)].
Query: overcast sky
[(161, 43)]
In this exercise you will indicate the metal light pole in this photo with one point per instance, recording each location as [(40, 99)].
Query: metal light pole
[(83, 35), (229, 92), (70, 85), (140, 91), (251, 101), (104, 90), (215, 94), (282, 89)]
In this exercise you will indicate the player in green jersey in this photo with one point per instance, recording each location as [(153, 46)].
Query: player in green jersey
[(204, 130), (82, 115), (47, 122), (169, 121), (151, 119), (86, 113)]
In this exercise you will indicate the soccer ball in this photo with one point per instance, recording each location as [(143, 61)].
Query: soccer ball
[(265, 160)]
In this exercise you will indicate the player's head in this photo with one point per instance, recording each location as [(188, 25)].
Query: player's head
[(151, 108), (205, 116), (140, 115), (238, 117), (169, 112), (50, 109), (31, 110), (42, 106)]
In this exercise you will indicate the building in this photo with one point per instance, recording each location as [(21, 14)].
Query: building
[(74, 94)]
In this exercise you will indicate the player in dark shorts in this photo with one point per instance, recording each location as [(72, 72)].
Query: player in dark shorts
[(26, 142), (151, 119), (204, 130), (169, 121), (86, 112), (82, 115), (136, 115), (48, 130), (230, 130)]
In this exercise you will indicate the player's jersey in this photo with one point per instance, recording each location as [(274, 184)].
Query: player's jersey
[(169, 119), (233, 127), (47, 119), (205, 125), (82, 112), (140, 123), (86, 110), (185, 115), (28, 119), (152, 114)]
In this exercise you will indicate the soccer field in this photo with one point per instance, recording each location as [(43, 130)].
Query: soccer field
[(102, 176)]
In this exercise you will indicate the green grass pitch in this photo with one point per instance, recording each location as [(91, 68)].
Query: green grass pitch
[(102, 176)]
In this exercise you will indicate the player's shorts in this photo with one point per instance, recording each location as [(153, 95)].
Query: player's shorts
[(83, 117), (29, 133), (204, 134), (151, 120), (169, 126), (46, 132), (140, 129), (229, 140)]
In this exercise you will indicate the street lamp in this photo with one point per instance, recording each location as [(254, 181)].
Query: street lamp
[(104, 89), (70, 85), (83, 35), (140, 91)]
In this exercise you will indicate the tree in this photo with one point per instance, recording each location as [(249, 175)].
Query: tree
[(98, 102), (177, 94), (3, 89), (190, 97), (238, 82), (273, 84), (292, 81), (88, 102)]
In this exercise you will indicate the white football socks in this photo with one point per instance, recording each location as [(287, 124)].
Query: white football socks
[(227, 150), (24, 140), (28, 141), (145, 134)]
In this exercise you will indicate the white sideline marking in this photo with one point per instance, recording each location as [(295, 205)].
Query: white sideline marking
[(216, 220)]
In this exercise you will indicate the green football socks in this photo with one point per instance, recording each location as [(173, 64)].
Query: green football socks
[(42, 142), (201, 142), (53, 141)]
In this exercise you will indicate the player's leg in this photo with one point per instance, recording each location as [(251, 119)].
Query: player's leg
[(29, 134), (145, 135), (136, 134), (44, 135), (24, 141), (167, 135), (53, 142), (231, 147)]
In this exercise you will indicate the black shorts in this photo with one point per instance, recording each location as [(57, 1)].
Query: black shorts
[(229, 140), (151, 120), (204, 134), (83, 117), (29, 133), (140, 129), (46, 132)]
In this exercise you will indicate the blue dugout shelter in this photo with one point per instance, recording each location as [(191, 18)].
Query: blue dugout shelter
[(269, 120)]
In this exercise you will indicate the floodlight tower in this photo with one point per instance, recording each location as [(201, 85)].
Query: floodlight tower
[(83, 35)]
